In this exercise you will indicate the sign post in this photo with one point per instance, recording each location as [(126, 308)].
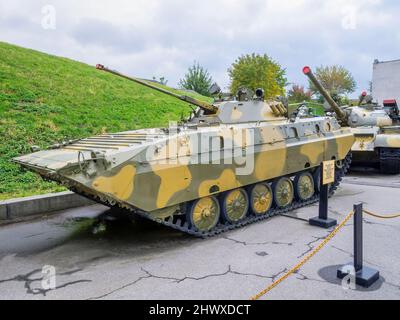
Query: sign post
[(327, 176)]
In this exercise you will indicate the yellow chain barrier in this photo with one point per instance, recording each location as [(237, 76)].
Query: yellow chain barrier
[(318, 248), (308, 257), (392, 216)]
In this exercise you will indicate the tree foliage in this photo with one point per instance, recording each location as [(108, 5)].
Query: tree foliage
[(298, 94), (254, 71), (197, 79), (336, 79)]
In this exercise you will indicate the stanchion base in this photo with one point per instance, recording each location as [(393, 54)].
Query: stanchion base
[(322, 223), (366, 277)]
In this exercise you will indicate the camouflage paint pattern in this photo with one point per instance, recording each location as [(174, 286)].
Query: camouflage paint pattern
[(155, 170)]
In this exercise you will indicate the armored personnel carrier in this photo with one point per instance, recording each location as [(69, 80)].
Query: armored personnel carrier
[(376, 129), (229, 164)]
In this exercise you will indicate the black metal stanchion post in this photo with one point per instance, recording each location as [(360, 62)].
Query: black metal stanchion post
[(322, 220), (364, 276), (358, 237)]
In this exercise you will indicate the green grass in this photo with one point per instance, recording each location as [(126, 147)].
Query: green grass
[(45, 99), (317, 108)]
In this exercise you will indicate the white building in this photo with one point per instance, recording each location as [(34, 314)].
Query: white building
[(386, 81)]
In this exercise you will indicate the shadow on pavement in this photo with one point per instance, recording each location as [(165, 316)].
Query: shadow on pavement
[(329, 275)]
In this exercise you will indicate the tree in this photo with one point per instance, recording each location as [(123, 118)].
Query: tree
[(298, 94), (336, 80), (197, 79), (254, 71)]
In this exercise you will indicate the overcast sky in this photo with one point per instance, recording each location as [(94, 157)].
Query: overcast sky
[(149, 38)]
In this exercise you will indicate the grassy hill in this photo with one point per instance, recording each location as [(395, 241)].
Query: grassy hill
[(45, 99)]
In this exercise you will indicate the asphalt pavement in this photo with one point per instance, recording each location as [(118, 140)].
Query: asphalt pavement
[(137, 259)]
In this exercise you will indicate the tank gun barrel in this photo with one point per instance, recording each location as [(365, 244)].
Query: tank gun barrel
[(203, 105), (339, 112)]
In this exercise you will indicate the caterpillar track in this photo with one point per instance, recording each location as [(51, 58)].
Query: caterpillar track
[(179, 222), (389, 159)]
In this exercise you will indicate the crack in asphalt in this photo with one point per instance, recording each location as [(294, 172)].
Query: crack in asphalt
[(273, 277), (334, 212), (316, 239), (310, 245), (364, 219), (303, 277), (149, 275), (393, 285), (28, 281), (344, 251), (245, 243), (379, 224), (352, 256), (229, 271), (120, 288)]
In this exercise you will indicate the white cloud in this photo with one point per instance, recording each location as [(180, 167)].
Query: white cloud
[(163, 37)]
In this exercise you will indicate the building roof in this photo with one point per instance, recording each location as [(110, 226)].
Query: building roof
[(376, 61)]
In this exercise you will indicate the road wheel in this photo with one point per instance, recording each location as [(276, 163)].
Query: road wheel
[(204, 213), (261, 198), (317, 179), (304, 186), (283, 192), (339, 165), (235, 205)]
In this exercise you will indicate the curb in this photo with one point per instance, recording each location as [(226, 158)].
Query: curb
[(30, 206)]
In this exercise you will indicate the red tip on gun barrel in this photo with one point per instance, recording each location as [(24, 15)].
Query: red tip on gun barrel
[(306, 70)]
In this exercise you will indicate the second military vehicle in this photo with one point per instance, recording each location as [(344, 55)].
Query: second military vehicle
[(376, 129), (231, 163)]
